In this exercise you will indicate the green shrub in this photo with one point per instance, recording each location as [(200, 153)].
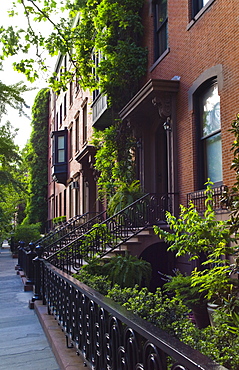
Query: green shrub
[(27, 233), (99, 282), (124, 196), (58, 220), (128, 270)]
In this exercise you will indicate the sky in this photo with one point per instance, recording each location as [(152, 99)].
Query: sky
[(9, 76)]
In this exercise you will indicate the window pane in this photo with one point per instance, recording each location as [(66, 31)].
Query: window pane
[(161, 28), (214, 157), (61, 155), (211, 111), (61, 142), (161, 12)]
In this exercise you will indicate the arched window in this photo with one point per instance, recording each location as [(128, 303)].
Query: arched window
[(207, 109)]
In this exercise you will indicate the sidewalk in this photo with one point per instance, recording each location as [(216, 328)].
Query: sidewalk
[(23, 343)]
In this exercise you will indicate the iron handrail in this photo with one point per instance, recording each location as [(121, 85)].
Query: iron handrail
[(62, 230), (73, 234), (113, 232)]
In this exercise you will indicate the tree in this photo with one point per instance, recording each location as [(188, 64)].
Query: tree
[(105, 38), (36, 159), (11, 184)]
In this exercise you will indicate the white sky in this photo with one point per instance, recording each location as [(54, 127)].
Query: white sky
[(9, 76)]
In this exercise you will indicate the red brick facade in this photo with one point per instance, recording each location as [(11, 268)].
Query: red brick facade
[(194, 48)]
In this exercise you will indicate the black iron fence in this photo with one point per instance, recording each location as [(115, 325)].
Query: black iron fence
[(110, 337)]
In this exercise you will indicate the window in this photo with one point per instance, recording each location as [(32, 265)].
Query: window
[(85, 124), (60, 149), (71, 93), (59, 156), (64, 105), (210, 146), (161, 28), (70, 143), (198, 5), (77, 130), (60, 115)]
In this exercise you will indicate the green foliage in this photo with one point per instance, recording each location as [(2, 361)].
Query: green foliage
[(153, 307), (128, 271), (193, 233), (58, 220), (216, 282), (11, 96), (109, 28), (11, 179), (36, 159), (231, 196), (125, 195), (99, 234), (114, 158), (220, 342), (217, 342), (181, 285), (98, 282), (27, 233)]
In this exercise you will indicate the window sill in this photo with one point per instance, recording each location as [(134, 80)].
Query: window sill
[(162, 56), (199, 14)]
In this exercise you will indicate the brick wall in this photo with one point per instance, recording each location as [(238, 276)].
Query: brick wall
[(195, 47)]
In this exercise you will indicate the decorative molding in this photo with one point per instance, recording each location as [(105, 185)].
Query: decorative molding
[(163, 102)]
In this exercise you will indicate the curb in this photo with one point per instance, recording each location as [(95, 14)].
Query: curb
[(66, 358)]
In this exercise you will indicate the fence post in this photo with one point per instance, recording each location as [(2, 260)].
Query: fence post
[(29, 264), (20, 254), (37, 261)]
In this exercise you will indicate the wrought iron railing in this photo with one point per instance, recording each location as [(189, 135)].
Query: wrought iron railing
[(53, 244), (112, 233), (64, 229), (110, 337), (198, 198)]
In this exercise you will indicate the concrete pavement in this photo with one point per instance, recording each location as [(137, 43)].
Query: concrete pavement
[(23, 343)]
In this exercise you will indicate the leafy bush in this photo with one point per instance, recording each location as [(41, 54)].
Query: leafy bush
[(128, 270), (27, 233), (58, 220), (153, 307), (181, 285), (220, 343), (125, 195), (193, 233), (99, 282)]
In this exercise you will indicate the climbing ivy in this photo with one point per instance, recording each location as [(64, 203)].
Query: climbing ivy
[(37, 161), (108, 29), (115, 158)]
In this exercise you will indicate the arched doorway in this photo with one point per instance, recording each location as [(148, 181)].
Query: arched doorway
[(162, 262)]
